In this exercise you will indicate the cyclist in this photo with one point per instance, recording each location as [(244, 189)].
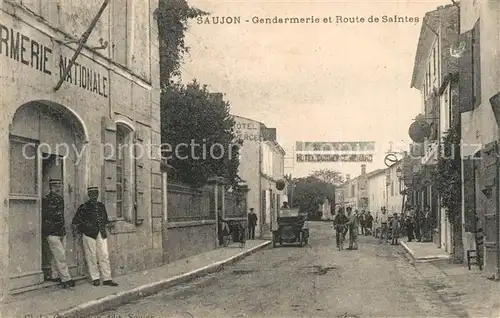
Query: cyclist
[(340, 222)]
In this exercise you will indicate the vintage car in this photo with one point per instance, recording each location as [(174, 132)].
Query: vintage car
[(292, 228)]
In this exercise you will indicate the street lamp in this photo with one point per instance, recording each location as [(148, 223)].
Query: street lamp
[(399, 174)]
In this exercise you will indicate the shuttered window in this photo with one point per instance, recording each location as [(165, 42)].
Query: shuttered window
[(476, 62), (465, 82)]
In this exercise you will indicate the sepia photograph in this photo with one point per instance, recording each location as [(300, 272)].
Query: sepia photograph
[(249, 158)]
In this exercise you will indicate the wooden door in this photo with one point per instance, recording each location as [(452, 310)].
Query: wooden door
[(490, 190), (25, 237)]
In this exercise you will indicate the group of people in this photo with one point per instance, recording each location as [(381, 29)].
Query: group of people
[(351, 223), (91, 220), (412, 224)]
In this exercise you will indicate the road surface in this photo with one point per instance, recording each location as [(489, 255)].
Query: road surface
[(313, 281)]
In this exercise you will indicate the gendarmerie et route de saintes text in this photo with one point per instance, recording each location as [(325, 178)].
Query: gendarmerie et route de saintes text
[(339, 19)]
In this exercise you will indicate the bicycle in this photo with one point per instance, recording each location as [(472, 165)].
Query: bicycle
[(340, 232)]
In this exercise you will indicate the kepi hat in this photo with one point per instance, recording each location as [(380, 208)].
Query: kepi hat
[(92, 189), (54, 181)]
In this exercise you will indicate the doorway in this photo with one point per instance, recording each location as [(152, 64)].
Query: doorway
[(52, 168)]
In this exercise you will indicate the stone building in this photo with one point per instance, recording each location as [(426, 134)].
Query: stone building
[(261, 165), (110, 98), (479, 103), (435, 76)]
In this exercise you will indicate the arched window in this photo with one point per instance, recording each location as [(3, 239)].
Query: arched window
[(124, 173)]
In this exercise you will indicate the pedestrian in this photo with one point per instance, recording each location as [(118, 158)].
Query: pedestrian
[(410, 224), (353, 226), (402, 224), (368, 223), (362, 222), (252, 223), (54, 231), (223, 227), (383, 226), (91, 219), (396, 227), (339, 224), (418, 224)]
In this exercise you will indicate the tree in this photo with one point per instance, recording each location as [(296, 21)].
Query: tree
[(197, 129), (310, 193), (329, 176), (172, 17)]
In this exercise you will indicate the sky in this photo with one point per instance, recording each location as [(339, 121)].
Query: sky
[(333, 82)]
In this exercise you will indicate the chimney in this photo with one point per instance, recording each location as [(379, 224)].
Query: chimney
[(363, 170), (347, 177)]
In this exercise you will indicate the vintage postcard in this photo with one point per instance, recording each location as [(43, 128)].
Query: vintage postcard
[(250, 158)]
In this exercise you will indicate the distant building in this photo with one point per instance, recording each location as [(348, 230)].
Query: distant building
[(261, 165)]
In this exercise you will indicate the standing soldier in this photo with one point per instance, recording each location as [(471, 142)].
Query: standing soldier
[(53, 229), (252, 223), (91, 220)]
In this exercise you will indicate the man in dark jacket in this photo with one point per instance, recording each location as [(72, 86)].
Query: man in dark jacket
[(91, 220), (340, 224), (54, 231), (252, 223), (368, 223)]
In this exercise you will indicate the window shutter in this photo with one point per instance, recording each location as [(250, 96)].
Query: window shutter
[(465, 81), (476, 55)]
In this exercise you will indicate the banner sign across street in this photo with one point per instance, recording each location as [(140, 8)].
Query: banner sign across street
[(334, 158), (338, 147)]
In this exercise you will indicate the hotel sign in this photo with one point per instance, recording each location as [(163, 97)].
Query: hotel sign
[(334, 158), (337, 147), (19, 47)]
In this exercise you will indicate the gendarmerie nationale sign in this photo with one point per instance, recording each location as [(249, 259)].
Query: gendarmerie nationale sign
[(23, 49)]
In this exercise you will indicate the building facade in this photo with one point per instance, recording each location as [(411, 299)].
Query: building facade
[(435, 76), (479, 86), (376, 191), (272, 170), (393, 188), (261, 165), (109, 98)]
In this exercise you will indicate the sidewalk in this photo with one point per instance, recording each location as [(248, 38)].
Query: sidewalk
[(468, 293), (85, 299), (424, 252)]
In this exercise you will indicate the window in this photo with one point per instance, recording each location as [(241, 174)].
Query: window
[(392, 188), (124, 173), (23, 168)]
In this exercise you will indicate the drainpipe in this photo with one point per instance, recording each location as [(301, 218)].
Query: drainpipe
[(260, 185)]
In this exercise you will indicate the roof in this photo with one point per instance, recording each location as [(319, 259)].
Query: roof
[(375, 173), (430, 24)]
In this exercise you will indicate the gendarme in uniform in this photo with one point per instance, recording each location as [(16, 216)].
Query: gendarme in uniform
[(54, 231), (91, 220)]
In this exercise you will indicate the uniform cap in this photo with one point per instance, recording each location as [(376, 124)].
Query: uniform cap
[(55, 181), (93, 189)]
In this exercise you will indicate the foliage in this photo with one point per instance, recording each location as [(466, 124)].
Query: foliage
[(172, 17), (329, 176), (310, 193), (191, 115), (447, 176)]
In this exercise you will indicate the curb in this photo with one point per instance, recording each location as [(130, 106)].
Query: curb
[(425, 258), (99, 305)]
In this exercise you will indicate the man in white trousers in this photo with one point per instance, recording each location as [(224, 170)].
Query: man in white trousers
[(91, 219), (54, 231)]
